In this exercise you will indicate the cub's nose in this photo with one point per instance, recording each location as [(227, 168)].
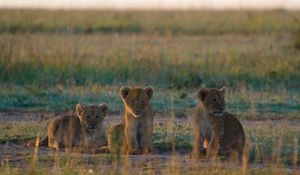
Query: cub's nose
[(93, 124)]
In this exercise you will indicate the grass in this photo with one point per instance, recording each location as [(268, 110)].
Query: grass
[(212, 55), (56, 74), (168, 62), (60, 98), (150, 22), (18, 133), (296, 43), (51, 60), (272, 145)]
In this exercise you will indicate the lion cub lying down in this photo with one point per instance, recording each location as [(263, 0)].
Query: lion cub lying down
[(84, 131), (216, 131), (134, 136)]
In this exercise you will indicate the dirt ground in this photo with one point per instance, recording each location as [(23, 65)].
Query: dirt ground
[(20, 156)]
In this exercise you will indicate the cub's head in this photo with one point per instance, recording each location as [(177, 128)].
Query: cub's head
[(136, 100), (213, 100), (91, 116)]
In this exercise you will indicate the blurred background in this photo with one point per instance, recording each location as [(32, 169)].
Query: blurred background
[(54, 54)]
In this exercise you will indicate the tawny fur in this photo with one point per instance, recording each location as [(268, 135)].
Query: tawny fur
[(216, 132), (84, 130), (135, 133)]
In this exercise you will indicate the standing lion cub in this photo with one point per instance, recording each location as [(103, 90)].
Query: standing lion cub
[(216, 131), (85, 130), (135, 134)]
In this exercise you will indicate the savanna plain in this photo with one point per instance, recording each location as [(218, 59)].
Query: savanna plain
[(51, 60)]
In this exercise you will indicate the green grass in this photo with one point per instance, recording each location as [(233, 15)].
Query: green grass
[(21, 132), (247, 103)]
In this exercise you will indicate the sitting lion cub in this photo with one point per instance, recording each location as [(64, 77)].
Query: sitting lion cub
[(135, 134), (216, 131), (85, 130)]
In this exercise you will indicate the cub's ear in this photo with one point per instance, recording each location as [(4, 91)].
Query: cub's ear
[(103, 108), (202, 93), (79, 109), (124, 91), (222, 90), (149, 91)]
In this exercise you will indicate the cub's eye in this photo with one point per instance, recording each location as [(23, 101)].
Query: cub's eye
[(88, 116), (142, 102), (215, 100), (132, 101), (97, 116)]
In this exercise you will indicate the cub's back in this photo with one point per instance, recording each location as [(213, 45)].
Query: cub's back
[(233, 127), (234, 136), (63, 130), (64, 122)]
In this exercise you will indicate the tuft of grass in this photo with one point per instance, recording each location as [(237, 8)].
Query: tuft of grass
[(273, 143)]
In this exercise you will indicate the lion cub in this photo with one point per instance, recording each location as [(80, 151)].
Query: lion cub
[(85, 130), (216, 131), (135, 134)]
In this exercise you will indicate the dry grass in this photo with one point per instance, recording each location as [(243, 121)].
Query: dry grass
[(56, 74), (272, 148), (50, 60), (151, 22)]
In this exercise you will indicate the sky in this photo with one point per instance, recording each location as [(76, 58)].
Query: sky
[(152, 4)]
